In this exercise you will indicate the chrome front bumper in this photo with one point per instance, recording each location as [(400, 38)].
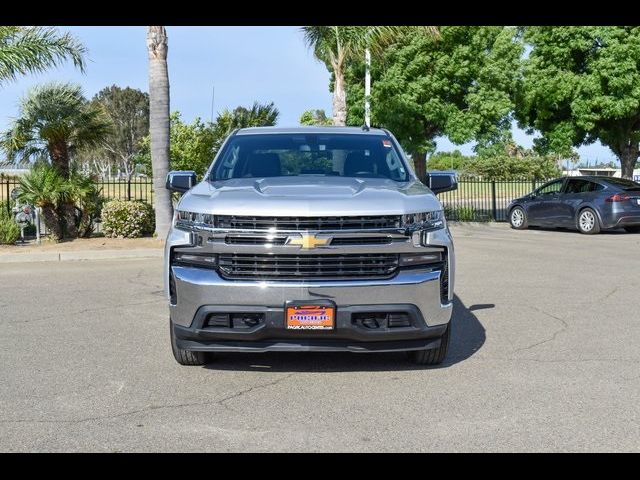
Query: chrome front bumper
[(198, 287)]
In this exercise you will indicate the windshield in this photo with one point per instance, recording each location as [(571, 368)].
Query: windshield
[(339, 155)]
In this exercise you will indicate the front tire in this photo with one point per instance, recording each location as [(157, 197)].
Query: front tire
[(518, 218), (185, 357), (634, 229), (588, 222), (432, 356)]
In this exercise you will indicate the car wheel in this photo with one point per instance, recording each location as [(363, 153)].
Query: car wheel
[(432, 356), (186, 357), (634, 229), (588, 222), (518, 218)]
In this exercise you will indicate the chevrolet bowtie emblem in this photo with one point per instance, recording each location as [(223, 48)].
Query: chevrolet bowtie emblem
[(308, 241)]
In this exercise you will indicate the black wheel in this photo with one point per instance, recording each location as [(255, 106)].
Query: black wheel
[(588, 222), (432, 356), (186, 357), (634, 229), (518, 218)]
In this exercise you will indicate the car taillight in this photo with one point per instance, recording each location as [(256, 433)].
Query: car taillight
[(618, 197)]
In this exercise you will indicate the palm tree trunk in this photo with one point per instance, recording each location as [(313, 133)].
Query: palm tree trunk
[(67, 213), (52, 221), (59, 154), (159, 126), (339, 97)]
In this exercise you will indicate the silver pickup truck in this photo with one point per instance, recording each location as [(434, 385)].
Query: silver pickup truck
[(309, 239)]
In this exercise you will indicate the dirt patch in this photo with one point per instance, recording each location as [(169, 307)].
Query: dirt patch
[(98, 243)]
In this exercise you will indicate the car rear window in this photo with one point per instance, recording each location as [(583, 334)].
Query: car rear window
[(623, 183)]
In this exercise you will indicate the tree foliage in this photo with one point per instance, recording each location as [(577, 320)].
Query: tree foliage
[(315, 117), (55, 120), (502, 161), (581, 84), (191, 146), (128, 111), (459, 86), (194, 145), (34, 49), (338, 46)]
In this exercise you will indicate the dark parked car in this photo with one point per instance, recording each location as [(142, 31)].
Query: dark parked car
[(588, 204)]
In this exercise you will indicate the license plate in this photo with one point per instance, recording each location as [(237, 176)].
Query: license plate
[(300, 316)]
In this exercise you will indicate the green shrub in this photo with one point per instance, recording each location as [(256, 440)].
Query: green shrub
[(127, 219), (9, 230), (461, 214), (4, 210)]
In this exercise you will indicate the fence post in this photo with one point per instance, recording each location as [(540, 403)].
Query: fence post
[(533, 184), (129, 189), (8, 196), (494, 206)]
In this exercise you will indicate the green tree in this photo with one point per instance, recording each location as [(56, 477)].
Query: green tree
[(459, 86), (259, 115), (157, 46), (195, 144), (55, 120), (128, 110), (192, 146), (34, 49), (338, 45), (579, 85), (448, 161), (315, 117)]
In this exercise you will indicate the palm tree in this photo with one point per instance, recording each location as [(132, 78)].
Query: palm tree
[(259, 115), (335, 45), (55, 120), (34, 49), (159, 126), (44, 187)]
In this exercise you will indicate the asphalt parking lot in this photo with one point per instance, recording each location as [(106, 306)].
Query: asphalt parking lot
[(544, 357)]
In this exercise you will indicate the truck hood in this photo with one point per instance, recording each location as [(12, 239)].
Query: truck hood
[(309, 196)]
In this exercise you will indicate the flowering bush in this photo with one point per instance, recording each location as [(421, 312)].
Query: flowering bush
[(127, 219)]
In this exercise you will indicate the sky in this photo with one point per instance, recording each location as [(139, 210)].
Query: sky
[(234, 65)]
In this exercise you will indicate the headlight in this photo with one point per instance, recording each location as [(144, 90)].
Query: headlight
[(424, 220), (190, 220)]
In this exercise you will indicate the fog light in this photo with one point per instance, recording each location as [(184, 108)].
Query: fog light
[(413, 259), (195, 259)]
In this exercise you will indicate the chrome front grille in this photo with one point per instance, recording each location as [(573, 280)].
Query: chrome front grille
[(234, 222), (255, 239), (282, 267)]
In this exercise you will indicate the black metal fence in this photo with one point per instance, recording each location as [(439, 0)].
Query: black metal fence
[(110, 190), (484, 200), (474, 200)]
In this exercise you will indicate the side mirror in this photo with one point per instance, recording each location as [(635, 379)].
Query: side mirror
[(440, 182), (181, 180)]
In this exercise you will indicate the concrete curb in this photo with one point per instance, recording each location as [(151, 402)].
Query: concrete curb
[(80, 255)]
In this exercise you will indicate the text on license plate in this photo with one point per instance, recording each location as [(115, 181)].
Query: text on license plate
[(310, 317)]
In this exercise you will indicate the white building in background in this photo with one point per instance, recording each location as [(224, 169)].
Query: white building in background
[(13, 172), (605, 172)]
